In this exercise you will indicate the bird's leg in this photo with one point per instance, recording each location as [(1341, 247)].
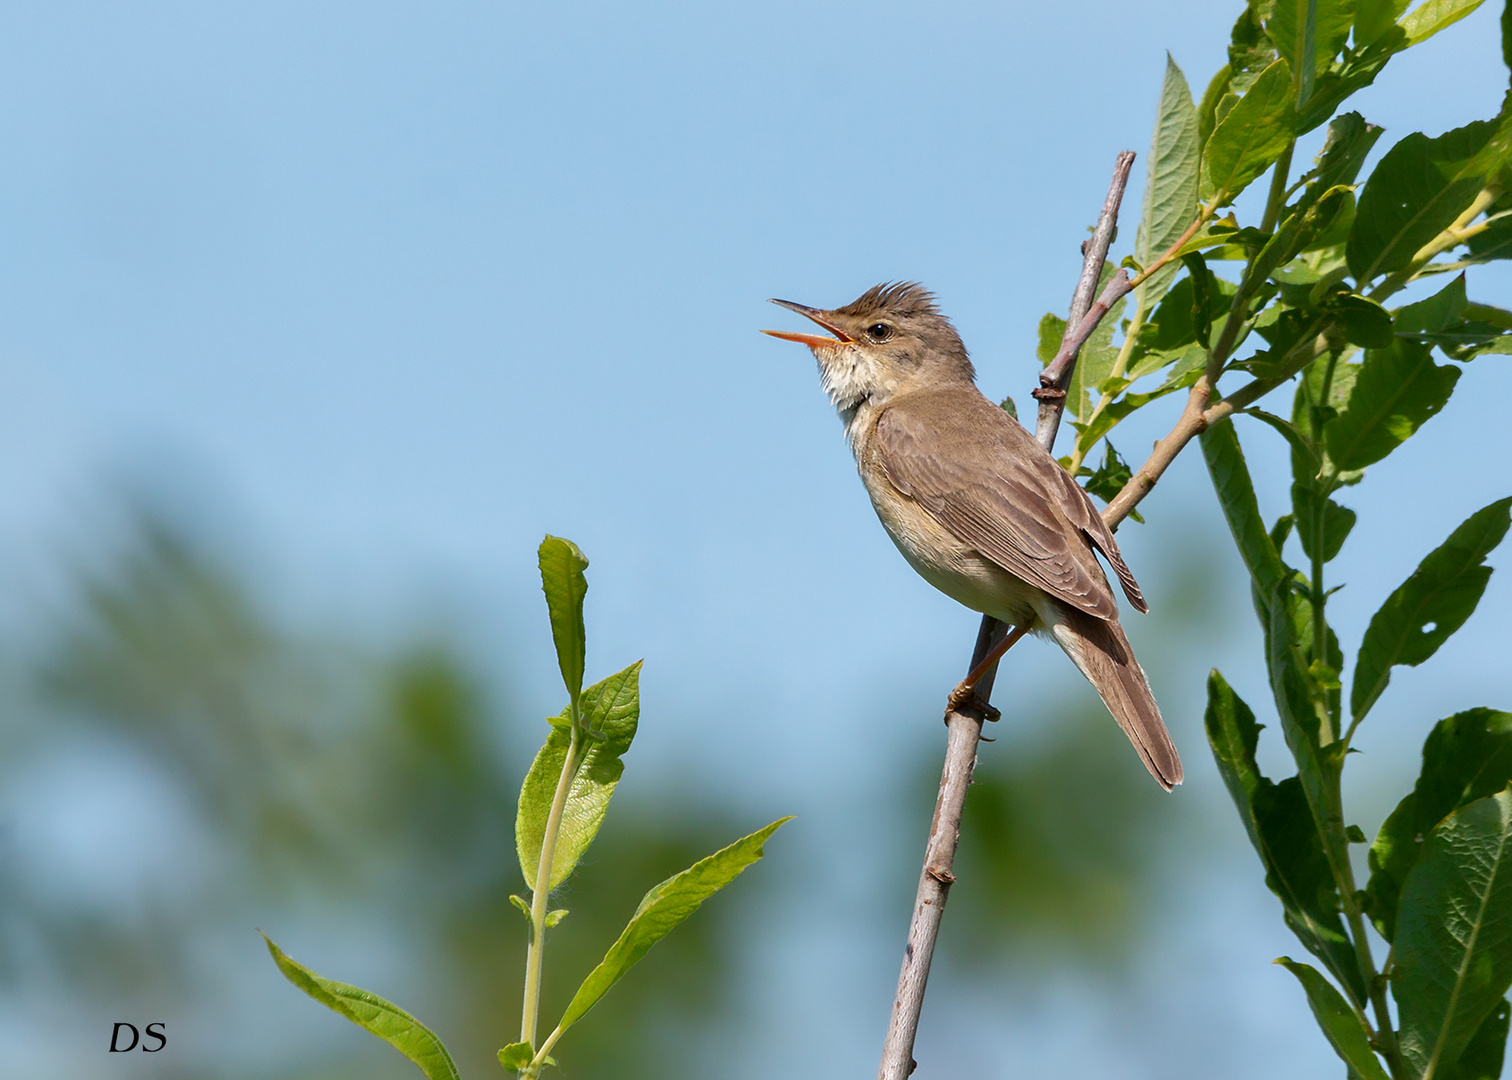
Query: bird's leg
[(966, 692)]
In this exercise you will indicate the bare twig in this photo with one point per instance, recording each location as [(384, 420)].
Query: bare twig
[(964, 723), (1054, 379)]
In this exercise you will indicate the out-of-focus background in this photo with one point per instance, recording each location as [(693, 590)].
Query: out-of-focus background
[(314, 317)]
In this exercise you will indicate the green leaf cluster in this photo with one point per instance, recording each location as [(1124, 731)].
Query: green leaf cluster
[(1303, 297)]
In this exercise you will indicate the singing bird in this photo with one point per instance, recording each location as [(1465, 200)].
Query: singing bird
[(975, 504)]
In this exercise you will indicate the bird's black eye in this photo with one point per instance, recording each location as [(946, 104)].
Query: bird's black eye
[(879, 331)]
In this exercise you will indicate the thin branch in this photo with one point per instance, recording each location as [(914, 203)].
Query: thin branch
[(1057, 375), (964, 723)]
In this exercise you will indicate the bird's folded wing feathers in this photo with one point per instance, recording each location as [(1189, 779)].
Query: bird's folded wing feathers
[(986, 480)]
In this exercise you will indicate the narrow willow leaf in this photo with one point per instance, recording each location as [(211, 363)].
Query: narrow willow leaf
[(661, 910), (1398, 390), (1322, 524), (1236, 495), (1339, 1022), (387, 1021), (1251, 136), (1299, 445), (1288, 28), (1374, 17), (1414, 193), (1453, 947), (1466, 757), (562, 580), (1431, 16), (1429, 606), (1280, 827), (1170, 197), (1482, 1058), (611, 710), (1294, 688)]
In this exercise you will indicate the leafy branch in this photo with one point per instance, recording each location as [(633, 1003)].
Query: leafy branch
[(563, 802)]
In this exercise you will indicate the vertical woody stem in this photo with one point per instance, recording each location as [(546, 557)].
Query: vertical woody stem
[(964, 723)]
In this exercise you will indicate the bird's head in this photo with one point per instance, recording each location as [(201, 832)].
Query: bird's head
[(890, 339)]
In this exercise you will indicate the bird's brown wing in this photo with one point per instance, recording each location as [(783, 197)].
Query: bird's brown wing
[(977, 472)]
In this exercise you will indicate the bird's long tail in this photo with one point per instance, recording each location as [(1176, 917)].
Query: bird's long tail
[(1102, 652)]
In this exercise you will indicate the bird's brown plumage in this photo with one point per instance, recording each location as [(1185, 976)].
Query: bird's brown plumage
[(976, 470)]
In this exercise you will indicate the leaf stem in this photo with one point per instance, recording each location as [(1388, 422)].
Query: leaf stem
[(1277, 197), (535, 956), (1454, 235)]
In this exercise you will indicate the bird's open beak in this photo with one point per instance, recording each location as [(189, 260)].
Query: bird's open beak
[(813, 341)]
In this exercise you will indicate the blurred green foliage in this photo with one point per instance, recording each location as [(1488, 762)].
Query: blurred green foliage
[(338, 777)]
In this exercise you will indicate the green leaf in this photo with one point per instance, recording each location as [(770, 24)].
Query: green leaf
[(1310, 413), (1299, 698), (661, 910), (1300, 448), (521, 903), (1174, 324), (1322, 524), (1482, 1057), (1340, 1023), (1280, 826), (1207, 108), (1052, 331), (1436, 314), (1188, 367), (1289, 28), (1414, 193), (1349, 142), (1250, 49), (1506, 32), (1398, 389), (1466, 757), (1170, 198), (1453, 947), (562, 580), (1009, 407), (1236, 495), (1251, 136), (1431, 16), (611, 710), (387, 1021), (1374, 17), (1203, 288), (516, 1056), (1110, 477), (1364, 321), (1429, 606)]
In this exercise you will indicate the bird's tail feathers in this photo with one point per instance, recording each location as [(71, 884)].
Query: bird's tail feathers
[(1102, 652)]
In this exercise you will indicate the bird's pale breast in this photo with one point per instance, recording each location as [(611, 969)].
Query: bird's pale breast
[(939, 557)]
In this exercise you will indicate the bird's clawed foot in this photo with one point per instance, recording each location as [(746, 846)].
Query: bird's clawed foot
[(964, 698)]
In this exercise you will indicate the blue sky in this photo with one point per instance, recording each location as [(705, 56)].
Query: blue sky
[(396, 288)]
